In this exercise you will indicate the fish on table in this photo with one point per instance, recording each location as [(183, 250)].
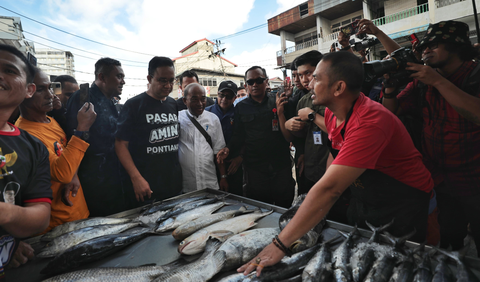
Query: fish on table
[(319, 268)]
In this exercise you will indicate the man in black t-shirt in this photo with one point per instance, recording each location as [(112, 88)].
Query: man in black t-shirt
[(24, 167), (187, 77), (147, 137)]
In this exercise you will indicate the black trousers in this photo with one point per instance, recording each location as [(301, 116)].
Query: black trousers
[(455, 213), (275, 187)]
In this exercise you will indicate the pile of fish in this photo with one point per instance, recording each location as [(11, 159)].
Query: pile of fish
[(227, 244)]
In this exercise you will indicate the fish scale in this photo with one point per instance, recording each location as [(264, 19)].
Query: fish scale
[(319, 268)]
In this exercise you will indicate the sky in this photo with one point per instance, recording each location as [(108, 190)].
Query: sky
[(150, 28)]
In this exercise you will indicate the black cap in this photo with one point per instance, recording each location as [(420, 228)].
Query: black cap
[(228, 84), (446, 32)]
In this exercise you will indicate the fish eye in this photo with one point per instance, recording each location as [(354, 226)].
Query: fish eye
[(181, 243)]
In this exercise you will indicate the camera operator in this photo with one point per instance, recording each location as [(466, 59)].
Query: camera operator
[(446, 91)]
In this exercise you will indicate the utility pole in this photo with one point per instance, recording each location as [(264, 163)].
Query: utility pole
[(217, 54)]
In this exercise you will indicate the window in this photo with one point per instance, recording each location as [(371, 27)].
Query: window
[(242, 84), (303, 9), (208, 81), (346, 22)]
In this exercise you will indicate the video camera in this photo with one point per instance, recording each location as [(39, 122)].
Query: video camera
[(397, 63), (364, 44)]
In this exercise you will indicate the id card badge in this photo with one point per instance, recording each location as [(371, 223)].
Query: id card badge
[(317, 138), (275, 125)]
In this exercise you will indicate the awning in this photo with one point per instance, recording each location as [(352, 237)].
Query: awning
[(407, 32)]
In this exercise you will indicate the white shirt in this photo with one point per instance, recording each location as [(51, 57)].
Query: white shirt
[(194, 152)]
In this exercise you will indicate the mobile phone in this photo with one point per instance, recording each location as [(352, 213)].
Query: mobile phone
[(412, 38), (281, 90), (84, 94), (288, 79), (56, 88)]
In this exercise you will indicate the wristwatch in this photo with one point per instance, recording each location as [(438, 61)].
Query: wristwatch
[(84, 135), (224, 176), (311, 116)]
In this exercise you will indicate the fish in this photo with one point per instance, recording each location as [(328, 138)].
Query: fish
[(92, 250), (209, 264), (176, 221), (195, 243), (67, 240), (187, 229), (288, 266), (239, 277), (311, 237), (241, 248), (367, 259), (151, 218), (319, 268), (114, 274), (341, 258), (463, 274), (79, 224), (423, 273), (442, 272), (186, 207), (167, 205), (404, 272)]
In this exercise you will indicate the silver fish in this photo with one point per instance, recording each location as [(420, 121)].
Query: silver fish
[(341, 258), (404, 272), (209, 264), (195, 243), (187, 229), (65, 241), (423, 273), (186, 207), (79, 224), (114, 274), (243, 247), (176, 221), (464, 274), (150, 218), (167, 205), (319, 268), (238, 277), (442, 273)]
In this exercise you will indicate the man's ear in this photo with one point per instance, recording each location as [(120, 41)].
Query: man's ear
[(31, 88), (340, 87), (149, 78), (184, 100), (101, 77)]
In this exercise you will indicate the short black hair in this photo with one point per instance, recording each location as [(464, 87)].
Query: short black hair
[(466, 52), (240, 88), (29, 68), (187, 73), (187, 89), (311, 57), (347, 67), (65, 78), (105, 66), (293, 65), (256, 67), (157, 62)]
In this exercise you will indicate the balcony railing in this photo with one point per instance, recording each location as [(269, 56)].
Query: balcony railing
[(403, 14), (443, 3)]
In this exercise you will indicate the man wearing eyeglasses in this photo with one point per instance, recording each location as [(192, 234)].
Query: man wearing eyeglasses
[(446, 93), (224, 109), (100, 171), (257, 129), (147, 138)]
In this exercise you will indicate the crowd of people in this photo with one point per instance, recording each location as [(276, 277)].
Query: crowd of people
[(75, 155)]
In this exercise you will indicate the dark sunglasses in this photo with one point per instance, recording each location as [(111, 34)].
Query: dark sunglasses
[(221, 95), (431, 46), (258, 80)]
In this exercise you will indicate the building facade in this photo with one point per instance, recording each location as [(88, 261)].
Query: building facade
[(315, 24), (56, 62), (11, 33), (211, 68)]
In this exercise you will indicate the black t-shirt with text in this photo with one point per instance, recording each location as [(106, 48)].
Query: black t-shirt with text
[(151, 127)]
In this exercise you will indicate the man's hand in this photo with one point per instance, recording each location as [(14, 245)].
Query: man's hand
[(281, 101), (57, 104), (268, 257), (367, 26), (425, 74), (301, 164), (86, 117), (72, 187), (303, 113), (235, 163), (294, 124), (222, 155), (23, 253), (288, 88), (223, 184), (141, 188)]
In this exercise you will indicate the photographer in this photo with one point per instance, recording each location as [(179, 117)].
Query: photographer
[(446, 92)]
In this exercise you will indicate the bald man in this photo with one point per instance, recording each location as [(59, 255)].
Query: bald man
[(194, 151)]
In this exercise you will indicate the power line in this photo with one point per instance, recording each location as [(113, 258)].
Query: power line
[(52, 66), (69, 33)]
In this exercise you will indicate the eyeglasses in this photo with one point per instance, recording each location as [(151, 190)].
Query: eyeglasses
[(165, 81), (258, 80), (221, 96)]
